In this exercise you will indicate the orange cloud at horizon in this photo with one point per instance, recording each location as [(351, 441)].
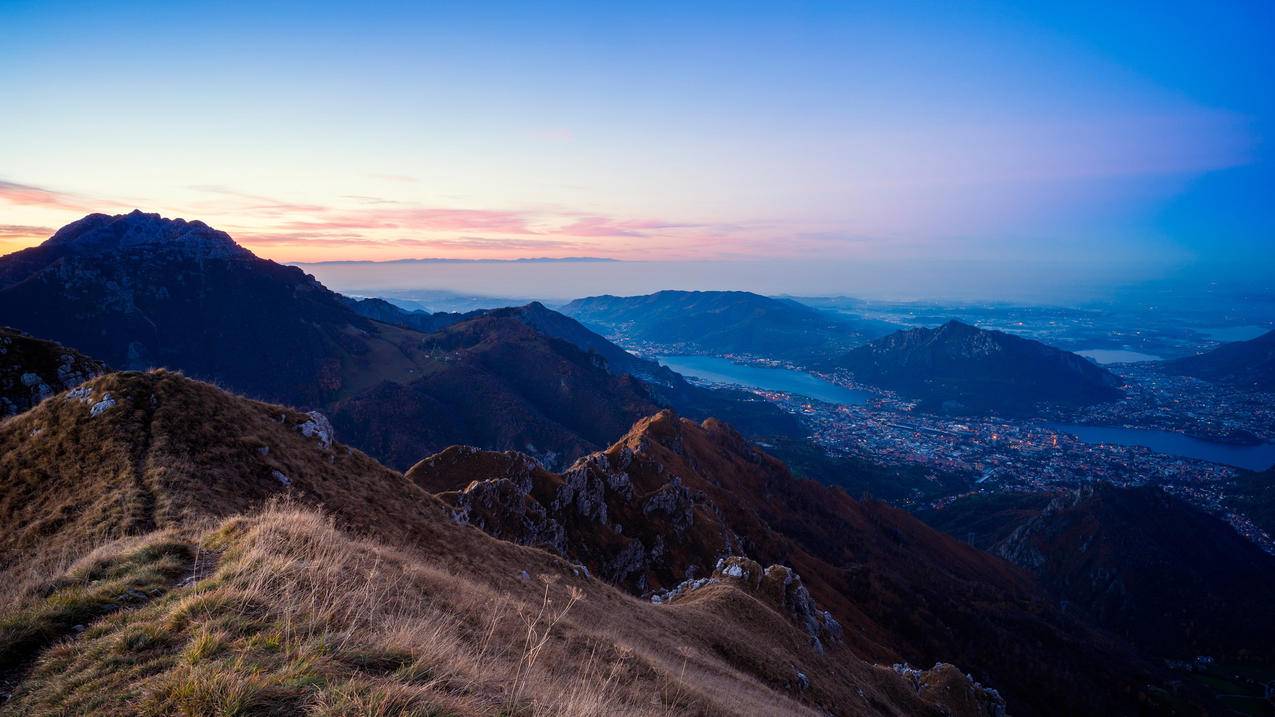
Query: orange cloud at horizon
[(375, 228)]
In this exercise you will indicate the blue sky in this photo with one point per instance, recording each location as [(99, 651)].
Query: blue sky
[(1135, 135)]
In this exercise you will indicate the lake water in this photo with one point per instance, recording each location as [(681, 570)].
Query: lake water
[(720, 370), (1106, 356), (1256, 458)]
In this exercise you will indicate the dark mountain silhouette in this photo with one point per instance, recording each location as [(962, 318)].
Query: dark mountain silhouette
[(960, 368), (1250, 364), (721, 322), (139, 291), (1172, 579), (33, 369)]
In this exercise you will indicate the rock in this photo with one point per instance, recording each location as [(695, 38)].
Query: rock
[(674, 500), (582, 488), (319, 427), (781, 587), (683, 588), (947, 685), (500, 507), (279, 476), (102, 405)]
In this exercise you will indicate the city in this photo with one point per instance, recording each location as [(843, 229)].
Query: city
[(1013, 455)]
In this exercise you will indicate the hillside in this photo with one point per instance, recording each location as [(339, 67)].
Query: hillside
[(493, 381), (656, 509), (1175, 581), (32, 370), (161, 586), (960, 368), (721, 322), (1249, 364)]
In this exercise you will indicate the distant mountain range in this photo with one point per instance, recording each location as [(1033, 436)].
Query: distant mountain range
[(139, 291), (1249, 364), (721, 322), (1174, 580), (960, 368)]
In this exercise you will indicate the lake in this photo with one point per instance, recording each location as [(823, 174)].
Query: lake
[(720, 370), (1106, 356), (1259, 457)]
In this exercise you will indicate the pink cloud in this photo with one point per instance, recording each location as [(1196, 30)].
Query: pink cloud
[(21, 231), (604, 227), (421, 219), (357, 240), (28, 195)]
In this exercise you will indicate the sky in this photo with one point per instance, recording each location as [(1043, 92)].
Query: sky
[(1072, 140)]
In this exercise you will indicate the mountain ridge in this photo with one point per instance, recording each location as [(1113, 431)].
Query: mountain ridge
[(959, 367)]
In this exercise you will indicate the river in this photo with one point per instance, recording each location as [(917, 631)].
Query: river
[(1259, 457)]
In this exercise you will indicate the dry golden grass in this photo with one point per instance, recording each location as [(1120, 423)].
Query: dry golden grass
[(350, 592), (298, 618)]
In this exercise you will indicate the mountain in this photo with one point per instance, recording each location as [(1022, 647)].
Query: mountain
[(138, 291), (654, 512), (1253, 496), (496, 382), (722, 322), (1249, 364), (960, 368), (170, 548), (32, 369), (1172, 579)]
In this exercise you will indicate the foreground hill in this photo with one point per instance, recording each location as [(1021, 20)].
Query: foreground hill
[(653, 512), (142, 578), (957, 367), (32, 369), (721, 322), (140, 291), (1174, 580), (1248, 364)]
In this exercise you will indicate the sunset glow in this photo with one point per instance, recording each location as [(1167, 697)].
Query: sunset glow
[(663, 133)]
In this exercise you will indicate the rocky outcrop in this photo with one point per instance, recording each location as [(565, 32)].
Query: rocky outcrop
[(626, 520), (781, 588), (318, 427), (32, 370), (957, 691)]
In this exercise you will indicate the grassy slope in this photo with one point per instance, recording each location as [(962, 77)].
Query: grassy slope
[(194, 602)]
